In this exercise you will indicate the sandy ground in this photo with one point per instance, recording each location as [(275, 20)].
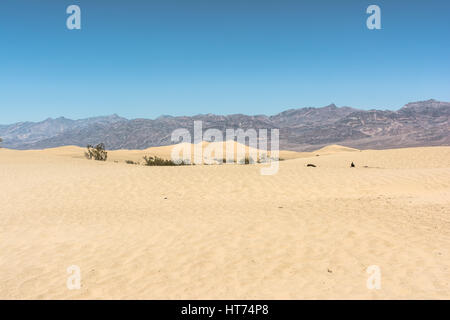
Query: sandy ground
[(225, 231)]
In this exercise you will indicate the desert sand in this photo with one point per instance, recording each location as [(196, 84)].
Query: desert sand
[(225, 231)]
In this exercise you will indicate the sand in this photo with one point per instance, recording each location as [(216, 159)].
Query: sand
[(225, 231)]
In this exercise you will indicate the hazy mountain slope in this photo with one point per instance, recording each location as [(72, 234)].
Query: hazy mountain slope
[(423, 123), (26, 133)]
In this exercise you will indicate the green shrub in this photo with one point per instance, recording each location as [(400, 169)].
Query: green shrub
[(97, 153), (247, 160), (157, 161), (265, 159), (225, 161)]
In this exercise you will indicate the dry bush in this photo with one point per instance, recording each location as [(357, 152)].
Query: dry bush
[(157, 161), (97, 153)]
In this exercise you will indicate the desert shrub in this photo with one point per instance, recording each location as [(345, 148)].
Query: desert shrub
[(130, 162), (97, 153), (247, 160), (157, 161), (225, 161), (269, 159), (263, 158)]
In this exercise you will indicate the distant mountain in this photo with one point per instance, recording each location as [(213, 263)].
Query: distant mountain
[(423, 123), (22, 134)]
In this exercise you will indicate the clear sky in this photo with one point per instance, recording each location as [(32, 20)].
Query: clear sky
[(148, 58)]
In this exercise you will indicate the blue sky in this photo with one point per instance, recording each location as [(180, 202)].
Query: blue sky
[(148, 58)]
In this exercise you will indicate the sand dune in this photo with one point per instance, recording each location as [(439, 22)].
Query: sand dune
[(335, 148), (165, 152), (225, 232)]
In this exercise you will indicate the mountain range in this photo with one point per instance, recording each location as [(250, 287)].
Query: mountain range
[(423, 123)]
